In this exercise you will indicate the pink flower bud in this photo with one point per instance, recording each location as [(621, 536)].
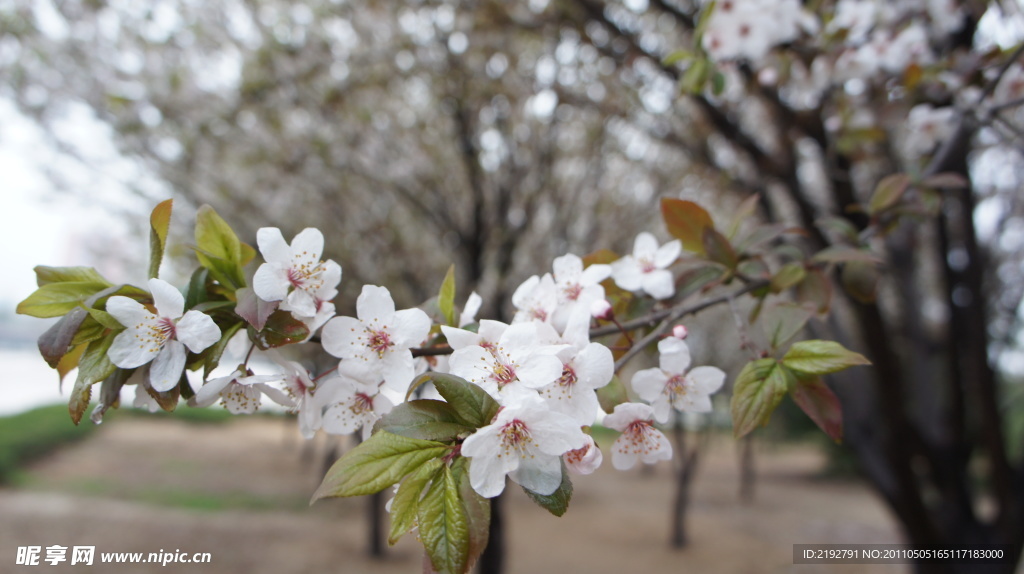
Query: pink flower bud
[(601, 309), (680, 332)]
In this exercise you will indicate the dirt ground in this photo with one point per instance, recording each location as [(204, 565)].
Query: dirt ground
[(239, 491)]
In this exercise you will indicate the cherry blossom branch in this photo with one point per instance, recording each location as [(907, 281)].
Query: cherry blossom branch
[(672, 315), (655, 316)]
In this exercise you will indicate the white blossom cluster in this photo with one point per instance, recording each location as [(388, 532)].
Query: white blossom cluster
[(542, 369)]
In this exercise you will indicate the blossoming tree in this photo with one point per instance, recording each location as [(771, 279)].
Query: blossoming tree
[(851, 130)]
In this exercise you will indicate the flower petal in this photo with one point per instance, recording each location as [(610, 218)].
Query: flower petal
[(460, 338), (273, 246), (627, 274), (270, 282), (539, 473), (706, 380), (169, 302), (567, 268), (658, 284), (595, 274), (645, 246), (166, 370), (409, 328), (129, 350), (375, 302), (307, 246), (667, 254), (342, 337), (537, 371), (210, 392), (197, 331), (649, 384), (674, 355), (129, 312)]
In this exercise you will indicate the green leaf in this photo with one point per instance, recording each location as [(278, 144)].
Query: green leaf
[(839, 226), (784, 321), (816, 290), (888, 192), (787, 276), (424, 419), (757, 392), (946, 180), (860, 280), (695, 77), (196, 292), (56, 341), (446, 297), (93, 367), (377, 463), (105, 319), (90, 330), (444, 526), (210, 357), (56, 299), (843, 254), (281, 329), (719, 249), (159, 225), (686, 221), (406, 503), (472, 404), (69, 362), (676, 57), (612, 394), (46, 275), (821, 404), (218, 248), (816, 357), (478, 511), (744, 211), (558, 501)]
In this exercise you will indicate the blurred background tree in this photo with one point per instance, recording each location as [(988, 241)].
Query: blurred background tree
[(497, 135)]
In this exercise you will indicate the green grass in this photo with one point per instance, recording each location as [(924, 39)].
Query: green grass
[(33, 434)]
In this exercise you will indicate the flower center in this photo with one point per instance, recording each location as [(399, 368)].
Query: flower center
[(380, 342), (306, 274), (677, 386), (504, 373), (361, 403), (572, 292), (568, 378), (539, 314), (515, 437), (646, 265), (577, 456), (636, 437)]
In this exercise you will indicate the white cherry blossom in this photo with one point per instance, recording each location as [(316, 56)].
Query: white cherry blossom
[(584, 460), (376, 345), (647, 268), (241, 392), (586, 367), (671, 385), (159, 338), (518, 360), (294, 274), (576, 287), (524, 442), (535, 299), (353, 405), (639, 439)]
